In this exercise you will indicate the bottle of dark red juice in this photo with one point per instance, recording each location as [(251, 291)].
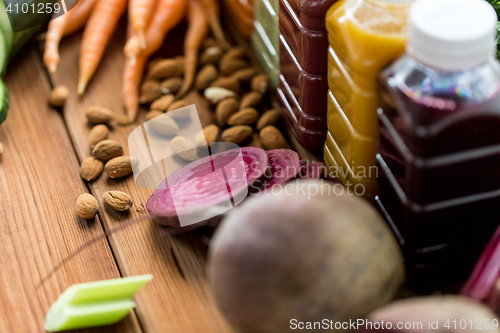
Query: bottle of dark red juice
[(439, 150)]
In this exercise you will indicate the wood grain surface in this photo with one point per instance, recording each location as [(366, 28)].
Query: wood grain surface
[(178, 299), (39, 184)]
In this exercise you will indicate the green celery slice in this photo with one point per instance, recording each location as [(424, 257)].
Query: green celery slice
[(94, 304)]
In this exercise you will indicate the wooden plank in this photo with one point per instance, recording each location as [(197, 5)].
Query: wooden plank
[(39, 184), (179, 299)]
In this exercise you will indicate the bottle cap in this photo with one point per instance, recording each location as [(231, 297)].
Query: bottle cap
[(397, 1), (452, 35)]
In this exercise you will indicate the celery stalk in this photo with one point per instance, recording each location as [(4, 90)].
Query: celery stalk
[(93, 304)]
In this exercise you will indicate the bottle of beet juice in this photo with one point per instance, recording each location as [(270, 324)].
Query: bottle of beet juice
[(439, 150)]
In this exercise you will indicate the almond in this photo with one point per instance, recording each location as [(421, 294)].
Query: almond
[(270, 117), (206, 76), (234, 53), (98, 133), (167, 68), (231, 65), (209, 42), (272, 138), (206, 136), (107, 149), (153, 62), (175, 106), (216, 94), (225, 109), (58, 96), (171, 85), (255, 142), (251, 99), (210, 55), (164, 125), (118, 200), (237, 134), (260, 83), (228, 83), (244, 75), (123, 120), (162, 103), (91, 168), (152, 114), (150, 90), (184, 148), (118, 167), (99, 115), (87, 206), (1, 149), (247, 116)]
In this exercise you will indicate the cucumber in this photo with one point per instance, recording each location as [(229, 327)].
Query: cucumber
[(27, 25), (4, 51), (5, 26), (4, 101)]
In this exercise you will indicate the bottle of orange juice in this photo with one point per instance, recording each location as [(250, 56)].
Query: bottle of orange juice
[(364, 36)]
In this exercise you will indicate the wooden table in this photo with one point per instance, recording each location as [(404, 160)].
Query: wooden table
[(39, 184)]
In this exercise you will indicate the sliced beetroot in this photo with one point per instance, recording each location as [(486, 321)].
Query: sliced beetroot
[(481, 283), (285, 165), (311, 170), (206, 188)]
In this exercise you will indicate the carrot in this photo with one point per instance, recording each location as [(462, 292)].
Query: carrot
[(244, 12), (168, 13), (132, 76), (212, 9), (55, 32), (79, 16), (197, 29), (98, 31), (140, 12)]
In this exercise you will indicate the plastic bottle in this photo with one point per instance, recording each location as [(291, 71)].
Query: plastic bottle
[(302, 89), (439, 151), (365, 36), (265, 37)]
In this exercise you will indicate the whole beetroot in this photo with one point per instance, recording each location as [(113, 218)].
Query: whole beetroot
[(432, 314), (301, 256)]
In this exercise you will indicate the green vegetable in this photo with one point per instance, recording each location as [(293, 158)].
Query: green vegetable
[(94, 304), (4, 101), (496, 5), (28, 24)]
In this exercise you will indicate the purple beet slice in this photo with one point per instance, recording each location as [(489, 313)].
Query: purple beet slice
[(203, 190), (311, 170), (285, 165), (481, 283)]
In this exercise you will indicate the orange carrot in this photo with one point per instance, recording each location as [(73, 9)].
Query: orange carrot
[(168, 13), (55, 32), (79, 16), (212, 9), (132, 76), (140, 12), (98, 31), (197, 30)]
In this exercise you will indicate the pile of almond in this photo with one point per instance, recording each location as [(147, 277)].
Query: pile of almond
[(163, 79), (107, 156), (235, 89), (238, 92)]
